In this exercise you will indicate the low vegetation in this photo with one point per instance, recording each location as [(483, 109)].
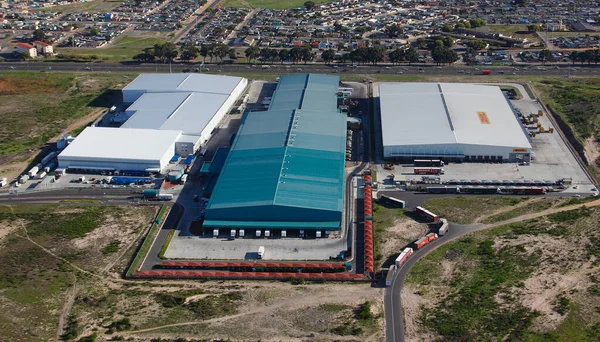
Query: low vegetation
[(534, 205), (527, 281), (465, 209), (147, 242), (36, 107)]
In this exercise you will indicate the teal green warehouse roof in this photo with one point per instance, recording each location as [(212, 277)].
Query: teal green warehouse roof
[(306, 91), (286, 166)]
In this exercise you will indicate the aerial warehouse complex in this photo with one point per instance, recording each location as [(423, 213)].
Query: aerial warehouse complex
[(450, 121), (168, 114), (285, 169)]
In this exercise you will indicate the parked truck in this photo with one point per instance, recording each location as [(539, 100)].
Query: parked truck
[(41, 175), (165, 197), (429, 171), (425, 240), (261, 252), (428, 163), (389, 278), (401, 259), (486, 72), (23, 179), (392, 201), (33, 171), (427, 214)]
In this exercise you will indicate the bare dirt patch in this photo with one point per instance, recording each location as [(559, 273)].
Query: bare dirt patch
[(412, 304), (399, 234)]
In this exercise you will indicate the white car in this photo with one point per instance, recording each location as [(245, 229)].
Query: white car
[(576, 187)]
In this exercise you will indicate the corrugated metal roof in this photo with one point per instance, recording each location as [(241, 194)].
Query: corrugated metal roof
[(447, 113), (285, 158), (308, 91), (186, 111), (204, 83)]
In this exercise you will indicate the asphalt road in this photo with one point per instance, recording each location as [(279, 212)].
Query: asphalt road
[(106, 196), (297, 68)]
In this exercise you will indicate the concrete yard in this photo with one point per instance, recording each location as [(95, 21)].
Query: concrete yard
[(183, 247), (552, 160)]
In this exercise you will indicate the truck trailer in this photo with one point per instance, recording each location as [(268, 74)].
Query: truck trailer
[(401, 259), (389, 278), (443, 228), (165, 197), (261, 252), (392, 201), (428, 163), (429, 171), (425, 240), (427, 214)]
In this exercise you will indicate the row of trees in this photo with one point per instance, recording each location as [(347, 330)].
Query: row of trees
[(587, 56), (167, 52)]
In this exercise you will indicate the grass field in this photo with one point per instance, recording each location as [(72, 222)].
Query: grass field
[(35, 107), (515, 31), (528, 281), (466, 209), (109, 54), (274, 4), (137, 42), (88, 6)]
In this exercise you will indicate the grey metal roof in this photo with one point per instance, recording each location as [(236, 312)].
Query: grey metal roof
[(186, 111), (448, 113), (205, 83)]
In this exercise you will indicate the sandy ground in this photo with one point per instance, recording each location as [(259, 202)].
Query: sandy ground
[(412, 303), (397, 236), (7, 228), (591, 150)]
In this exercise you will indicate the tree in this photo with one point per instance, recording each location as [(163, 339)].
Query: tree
[(393, 30), (144, 57), (411, 55), (478, 22), (284, 54), (189, 52), (179, 25), (533, 28), (328, 56), (443, 54), (39, 35), (94, 32), (204, 51), (309, 5), (575, 56), (477, 44), (546, 56), (447, 28), (252, 52), (396, 56), (165, 51)]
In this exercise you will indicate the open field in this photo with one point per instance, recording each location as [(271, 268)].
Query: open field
[(36, 107), (515, 31), (137, 42), (62, 266), (109, 54), (274, 4), (467, 209), (88, 6), (535, 280)]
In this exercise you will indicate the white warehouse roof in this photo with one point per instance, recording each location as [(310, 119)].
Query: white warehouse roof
[(187, 112), (448, 113), (203, 83), (113, 144)]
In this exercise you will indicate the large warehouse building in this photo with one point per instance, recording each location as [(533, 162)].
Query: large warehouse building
[(452, 121), (187, 106), (285, 169)]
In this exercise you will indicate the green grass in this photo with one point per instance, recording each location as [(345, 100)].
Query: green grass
[(465, 209), (164, 248), (208, 307), (129, 41), (145, 248), (39, 106), (274, 4), (507, 30), (573, 328), (88, 6), (108, 54), (536, 206)]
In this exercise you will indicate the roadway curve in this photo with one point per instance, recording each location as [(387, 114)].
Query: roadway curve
[(394, 328)]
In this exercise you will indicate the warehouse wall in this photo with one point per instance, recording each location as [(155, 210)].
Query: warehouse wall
[(400, 151), (456, 151), (273, 213)]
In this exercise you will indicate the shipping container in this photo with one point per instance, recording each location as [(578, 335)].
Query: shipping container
[(443, 190), (165, 197), (426, 214), (390, 275), (486, 72), (392, 201), (428, 171), (150, 193), (401, 259), (34, 170)]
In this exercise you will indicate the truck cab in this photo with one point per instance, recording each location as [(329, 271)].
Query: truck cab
[(261, 252)]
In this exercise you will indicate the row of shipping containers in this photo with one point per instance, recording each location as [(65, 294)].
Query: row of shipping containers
[(247, 275), (368, 225)]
